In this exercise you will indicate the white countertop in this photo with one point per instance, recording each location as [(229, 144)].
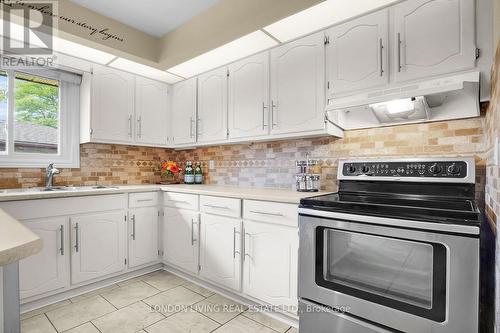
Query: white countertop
[(252, 193), (16, 241), (31, 194)]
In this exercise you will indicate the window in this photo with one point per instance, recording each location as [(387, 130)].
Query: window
[(39, 112)]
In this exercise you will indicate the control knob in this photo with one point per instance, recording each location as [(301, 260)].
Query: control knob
[(351, 169), (365, 169), (453, 169), (435, 169)]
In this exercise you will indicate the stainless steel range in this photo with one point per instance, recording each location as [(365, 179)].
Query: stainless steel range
[(395, 250)]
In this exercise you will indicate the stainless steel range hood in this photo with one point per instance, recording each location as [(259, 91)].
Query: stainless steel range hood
[(450, 97)]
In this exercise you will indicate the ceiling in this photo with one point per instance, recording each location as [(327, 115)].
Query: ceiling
[(154, 17)]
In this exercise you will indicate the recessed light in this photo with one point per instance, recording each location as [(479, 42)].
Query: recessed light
[(247, 45), (151, 72), (320, 16)]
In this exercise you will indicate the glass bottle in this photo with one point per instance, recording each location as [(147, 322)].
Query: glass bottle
[(198, 174), (188, 173)]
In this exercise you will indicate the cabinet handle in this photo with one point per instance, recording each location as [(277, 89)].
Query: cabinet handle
[(245, 249), (399, 52), (61, 230), (198, 127), (264, 107), (130, 125), (144, 200), (77, 240), (273, 107), (265, 213), (139, 129), (133, 227), (381, 48), (193, 223), (234, 242), (217, 207), (191, 132), (178, 201)]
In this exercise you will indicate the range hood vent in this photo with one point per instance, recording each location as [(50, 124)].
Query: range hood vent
[(451, 97)]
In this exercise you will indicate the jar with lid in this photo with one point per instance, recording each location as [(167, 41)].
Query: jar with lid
[(198, 174)]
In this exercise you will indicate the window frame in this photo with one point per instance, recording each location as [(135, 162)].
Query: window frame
[(68, 155)]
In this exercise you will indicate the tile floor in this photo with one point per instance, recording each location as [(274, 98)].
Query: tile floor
[(158, 302)]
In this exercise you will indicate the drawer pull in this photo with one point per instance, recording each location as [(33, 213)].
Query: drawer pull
[(144, 200), (178, 201), (216, 207), (266, 213)]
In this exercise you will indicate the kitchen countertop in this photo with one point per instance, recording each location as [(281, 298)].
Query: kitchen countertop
[(252, 193), (31, 194), (16, 241)]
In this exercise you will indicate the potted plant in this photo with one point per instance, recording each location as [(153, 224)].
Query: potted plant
[(169, 170)]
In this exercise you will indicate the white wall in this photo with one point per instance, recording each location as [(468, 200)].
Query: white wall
[(1, 300)]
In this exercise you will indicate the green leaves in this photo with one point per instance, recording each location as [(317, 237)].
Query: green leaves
[(36, 103)]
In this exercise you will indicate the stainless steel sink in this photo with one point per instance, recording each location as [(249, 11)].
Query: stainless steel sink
[(56, 189)]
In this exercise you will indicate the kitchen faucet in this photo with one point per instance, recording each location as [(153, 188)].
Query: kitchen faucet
[(49, 175)]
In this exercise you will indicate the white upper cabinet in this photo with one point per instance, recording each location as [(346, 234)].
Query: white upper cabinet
[(356, 54), (298, 86), (184, 112), (112, 105), (151, 112), (249, 97), (433, 37), (47, 270), (180, 238), (98, 245), (212, 106), (220, 253)]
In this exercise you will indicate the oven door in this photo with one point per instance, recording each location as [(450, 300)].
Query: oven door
[(405, 279)]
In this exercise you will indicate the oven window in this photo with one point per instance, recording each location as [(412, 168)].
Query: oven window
[(403, 274)]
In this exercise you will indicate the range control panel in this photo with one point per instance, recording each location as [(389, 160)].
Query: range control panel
[(437, 169)]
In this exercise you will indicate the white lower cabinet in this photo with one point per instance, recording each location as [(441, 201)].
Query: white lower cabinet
[(180, 238), (220, 250), (98, 245), (143, 236), (270, 263), (47, 270)]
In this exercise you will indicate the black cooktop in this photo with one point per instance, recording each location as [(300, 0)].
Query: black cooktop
[(385, 201)]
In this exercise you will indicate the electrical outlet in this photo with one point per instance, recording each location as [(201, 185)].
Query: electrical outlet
[(211, 165)]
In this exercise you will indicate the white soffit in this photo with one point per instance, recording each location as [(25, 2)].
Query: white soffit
[(321, 16), (147, 71), (244, 46)]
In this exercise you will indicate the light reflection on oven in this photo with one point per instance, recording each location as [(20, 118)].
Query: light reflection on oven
[(393, 268)]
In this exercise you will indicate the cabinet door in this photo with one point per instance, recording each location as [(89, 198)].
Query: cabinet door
[(248, 111), (98, 246), (298, 86), (220, 258), (356, 54), (180, 238), (433, 37), (212, 106), (151, 111), (112, 105), (143, 236), (47, 270), (184, 112), (270, 263)]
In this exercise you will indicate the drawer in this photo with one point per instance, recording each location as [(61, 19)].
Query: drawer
[(220, 206), (181, 200), (272, 212), (143, 199)]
